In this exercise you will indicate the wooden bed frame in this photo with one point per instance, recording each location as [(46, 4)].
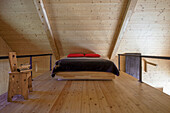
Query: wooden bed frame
[(88, 75)]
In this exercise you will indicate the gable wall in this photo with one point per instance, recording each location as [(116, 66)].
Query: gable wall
[(84, 26), (148, 32)]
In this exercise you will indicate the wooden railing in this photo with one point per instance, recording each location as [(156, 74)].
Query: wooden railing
[(141, 56), (30, 56)]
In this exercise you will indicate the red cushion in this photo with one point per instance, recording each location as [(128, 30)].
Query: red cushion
[(75, 55), (92, 55)]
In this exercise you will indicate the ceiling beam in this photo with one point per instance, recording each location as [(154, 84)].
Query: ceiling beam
[(45, 22), (122, 27)]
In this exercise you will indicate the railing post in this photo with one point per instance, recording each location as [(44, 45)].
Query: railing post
[(140, 72), (50, 62), (119, 61), (31, 65)]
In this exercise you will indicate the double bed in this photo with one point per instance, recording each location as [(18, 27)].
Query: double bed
[(84, 68)]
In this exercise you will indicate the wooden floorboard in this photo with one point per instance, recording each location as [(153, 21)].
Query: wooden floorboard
[(122, 95)]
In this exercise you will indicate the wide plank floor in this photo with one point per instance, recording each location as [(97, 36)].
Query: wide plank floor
[(122, 95)]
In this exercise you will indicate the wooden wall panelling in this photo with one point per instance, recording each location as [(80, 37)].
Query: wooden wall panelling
[(4, 66), (44, 19), (157, 76), (122, 63), (21, 27), (39, 64), (83, 25), (4, 77), (148, 33), (122, 27)]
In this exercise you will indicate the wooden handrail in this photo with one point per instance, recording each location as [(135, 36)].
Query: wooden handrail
[(146, 56)]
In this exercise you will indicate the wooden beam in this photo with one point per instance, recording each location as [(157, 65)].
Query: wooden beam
[(45, 22), (122, 27)]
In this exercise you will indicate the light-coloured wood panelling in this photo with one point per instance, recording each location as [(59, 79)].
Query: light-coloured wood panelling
[(148, 33), (39, 4), (147, 27), (157, 76), (84, 26), (148, 30), (4, 48), (39, 64), (121, 28), (4, 77), (4, 66), (21, 28)]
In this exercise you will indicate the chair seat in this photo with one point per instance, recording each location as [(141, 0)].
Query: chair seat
[(27, 72)]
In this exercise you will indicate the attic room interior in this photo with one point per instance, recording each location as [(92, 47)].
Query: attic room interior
[(85, 56)]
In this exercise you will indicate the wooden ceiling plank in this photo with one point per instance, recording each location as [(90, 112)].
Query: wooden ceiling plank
[(6, 47), (45, 22), (122, 27)]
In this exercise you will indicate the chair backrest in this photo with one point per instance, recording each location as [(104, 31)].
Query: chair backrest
[(13, 61)]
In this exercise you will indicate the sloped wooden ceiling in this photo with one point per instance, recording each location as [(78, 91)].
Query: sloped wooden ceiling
[(84, 25), (4, 48), (148, 31), (21, 28)]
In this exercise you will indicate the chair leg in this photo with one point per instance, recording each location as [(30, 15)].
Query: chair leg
[(30, 84), (9, 99), (10, 85), (25, 95), (24, 85), (19, 83)]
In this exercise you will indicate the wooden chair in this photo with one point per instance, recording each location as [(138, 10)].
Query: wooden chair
[(19, 82)]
